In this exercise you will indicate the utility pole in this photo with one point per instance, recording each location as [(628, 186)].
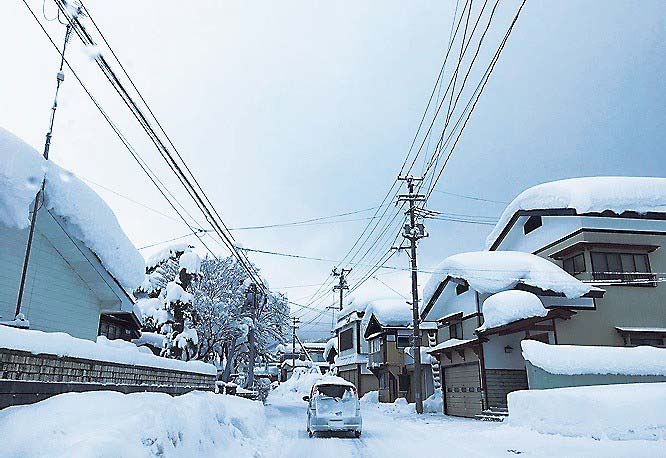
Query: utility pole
[(342, 283), (251, 298), (332, 309), (60, 77), (414, 231), (294, 326)]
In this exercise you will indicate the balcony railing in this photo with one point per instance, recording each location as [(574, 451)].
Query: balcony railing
[(633, 278), (375, 359)]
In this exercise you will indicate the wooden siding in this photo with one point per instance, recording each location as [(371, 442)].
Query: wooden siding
[(500, 382), (462, 390)]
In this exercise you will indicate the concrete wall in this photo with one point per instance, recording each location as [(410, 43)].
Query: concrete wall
[(27, 378), (539, 379)]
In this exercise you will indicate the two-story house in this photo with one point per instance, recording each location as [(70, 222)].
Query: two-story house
[(351, 362), (610, 231), (81, 263), (485, 304)]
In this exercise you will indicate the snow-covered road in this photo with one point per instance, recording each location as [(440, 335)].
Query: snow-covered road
[(390, 431)]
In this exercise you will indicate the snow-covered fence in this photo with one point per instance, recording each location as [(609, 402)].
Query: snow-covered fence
[(35, 365), (26, 378)]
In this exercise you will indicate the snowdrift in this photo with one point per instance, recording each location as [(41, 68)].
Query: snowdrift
[(617, 412), (110, 424), (300, 383)]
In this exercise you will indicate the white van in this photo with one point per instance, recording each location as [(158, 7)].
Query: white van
[(333, 406)]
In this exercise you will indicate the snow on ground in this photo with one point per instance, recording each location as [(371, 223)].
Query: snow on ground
[(301, 382), (87, 217), (110, 424), (618, 412), (508, 306), (117, 351), (394, 430), (495, 271), (589, 195), (582, 359)]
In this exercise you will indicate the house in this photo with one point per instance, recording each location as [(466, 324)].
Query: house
[(389, 333), (81, 263), (485, 304), (609, 231), (307, 355), (351, 363)]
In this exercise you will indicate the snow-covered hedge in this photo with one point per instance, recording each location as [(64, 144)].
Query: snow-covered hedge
[(114, 351), (616, 412), (87, 216), (589, 195), (581, 359), (111, 424)]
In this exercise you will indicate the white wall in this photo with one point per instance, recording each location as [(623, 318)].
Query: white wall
[(55, 297), (496, 358), (449, 302)]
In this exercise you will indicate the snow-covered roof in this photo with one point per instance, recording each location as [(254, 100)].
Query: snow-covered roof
[(114, 351), (641, 329), (428, 326), (334, 380), (388, 312), (495, 271), (508, 306), (330, 345), (87, 217), (451, 343), (354, 358), (425, 355), (580, 359), (589, 195)]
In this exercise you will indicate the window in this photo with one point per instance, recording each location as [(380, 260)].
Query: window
[(652, 341), (456, 330), (621, 266), (347, 339), (383, 381), (375, 345), (532, 223), (402, 341), (575, 264), (461, 288)]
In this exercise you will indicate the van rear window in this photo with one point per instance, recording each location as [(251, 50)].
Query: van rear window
[(333, 391)]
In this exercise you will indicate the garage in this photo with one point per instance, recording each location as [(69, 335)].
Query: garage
[(462, 388)]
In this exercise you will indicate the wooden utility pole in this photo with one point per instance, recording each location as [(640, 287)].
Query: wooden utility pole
[(294, 326), (251, 301), (414, 231), (60, 77), (342, 283)]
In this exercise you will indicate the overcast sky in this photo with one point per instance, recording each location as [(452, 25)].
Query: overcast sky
[(293, 110)]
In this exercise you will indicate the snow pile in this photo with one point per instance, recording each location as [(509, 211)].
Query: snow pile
[(388, 312), (589, 195), (166, 253), (616, 412), (425, 355), (331, 344), (191, 262), (581, 359), (509, 306), (151, 308), (111, 424), (61, 344), (87, 217), (434, 403), (495, 271), (153, 339), (301, 382), (370, 398)]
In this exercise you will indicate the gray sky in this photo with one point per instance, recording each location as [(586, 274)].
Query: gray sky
[(294, 110)]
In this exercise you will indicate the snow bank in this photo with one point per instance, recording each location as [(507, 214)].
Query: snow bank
[(110, 424), (589, 195), (434, 403), (61, 344), (87, 217), (495, 271), (509, 306), (616, 412), (580, 359), (301, 382)]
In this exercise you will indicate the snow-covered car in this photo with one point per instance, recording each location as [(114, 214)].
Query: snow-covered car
[(333, 406)]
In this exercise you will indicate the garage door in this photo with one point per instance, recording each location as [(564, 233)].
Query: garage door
[(463, 390)]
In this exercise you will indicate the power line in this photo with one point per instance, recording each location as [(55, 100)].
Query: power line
[(471, 197)]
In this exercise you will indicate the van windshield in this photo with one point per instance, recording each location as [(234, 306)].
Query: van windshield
[(333, 391)]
